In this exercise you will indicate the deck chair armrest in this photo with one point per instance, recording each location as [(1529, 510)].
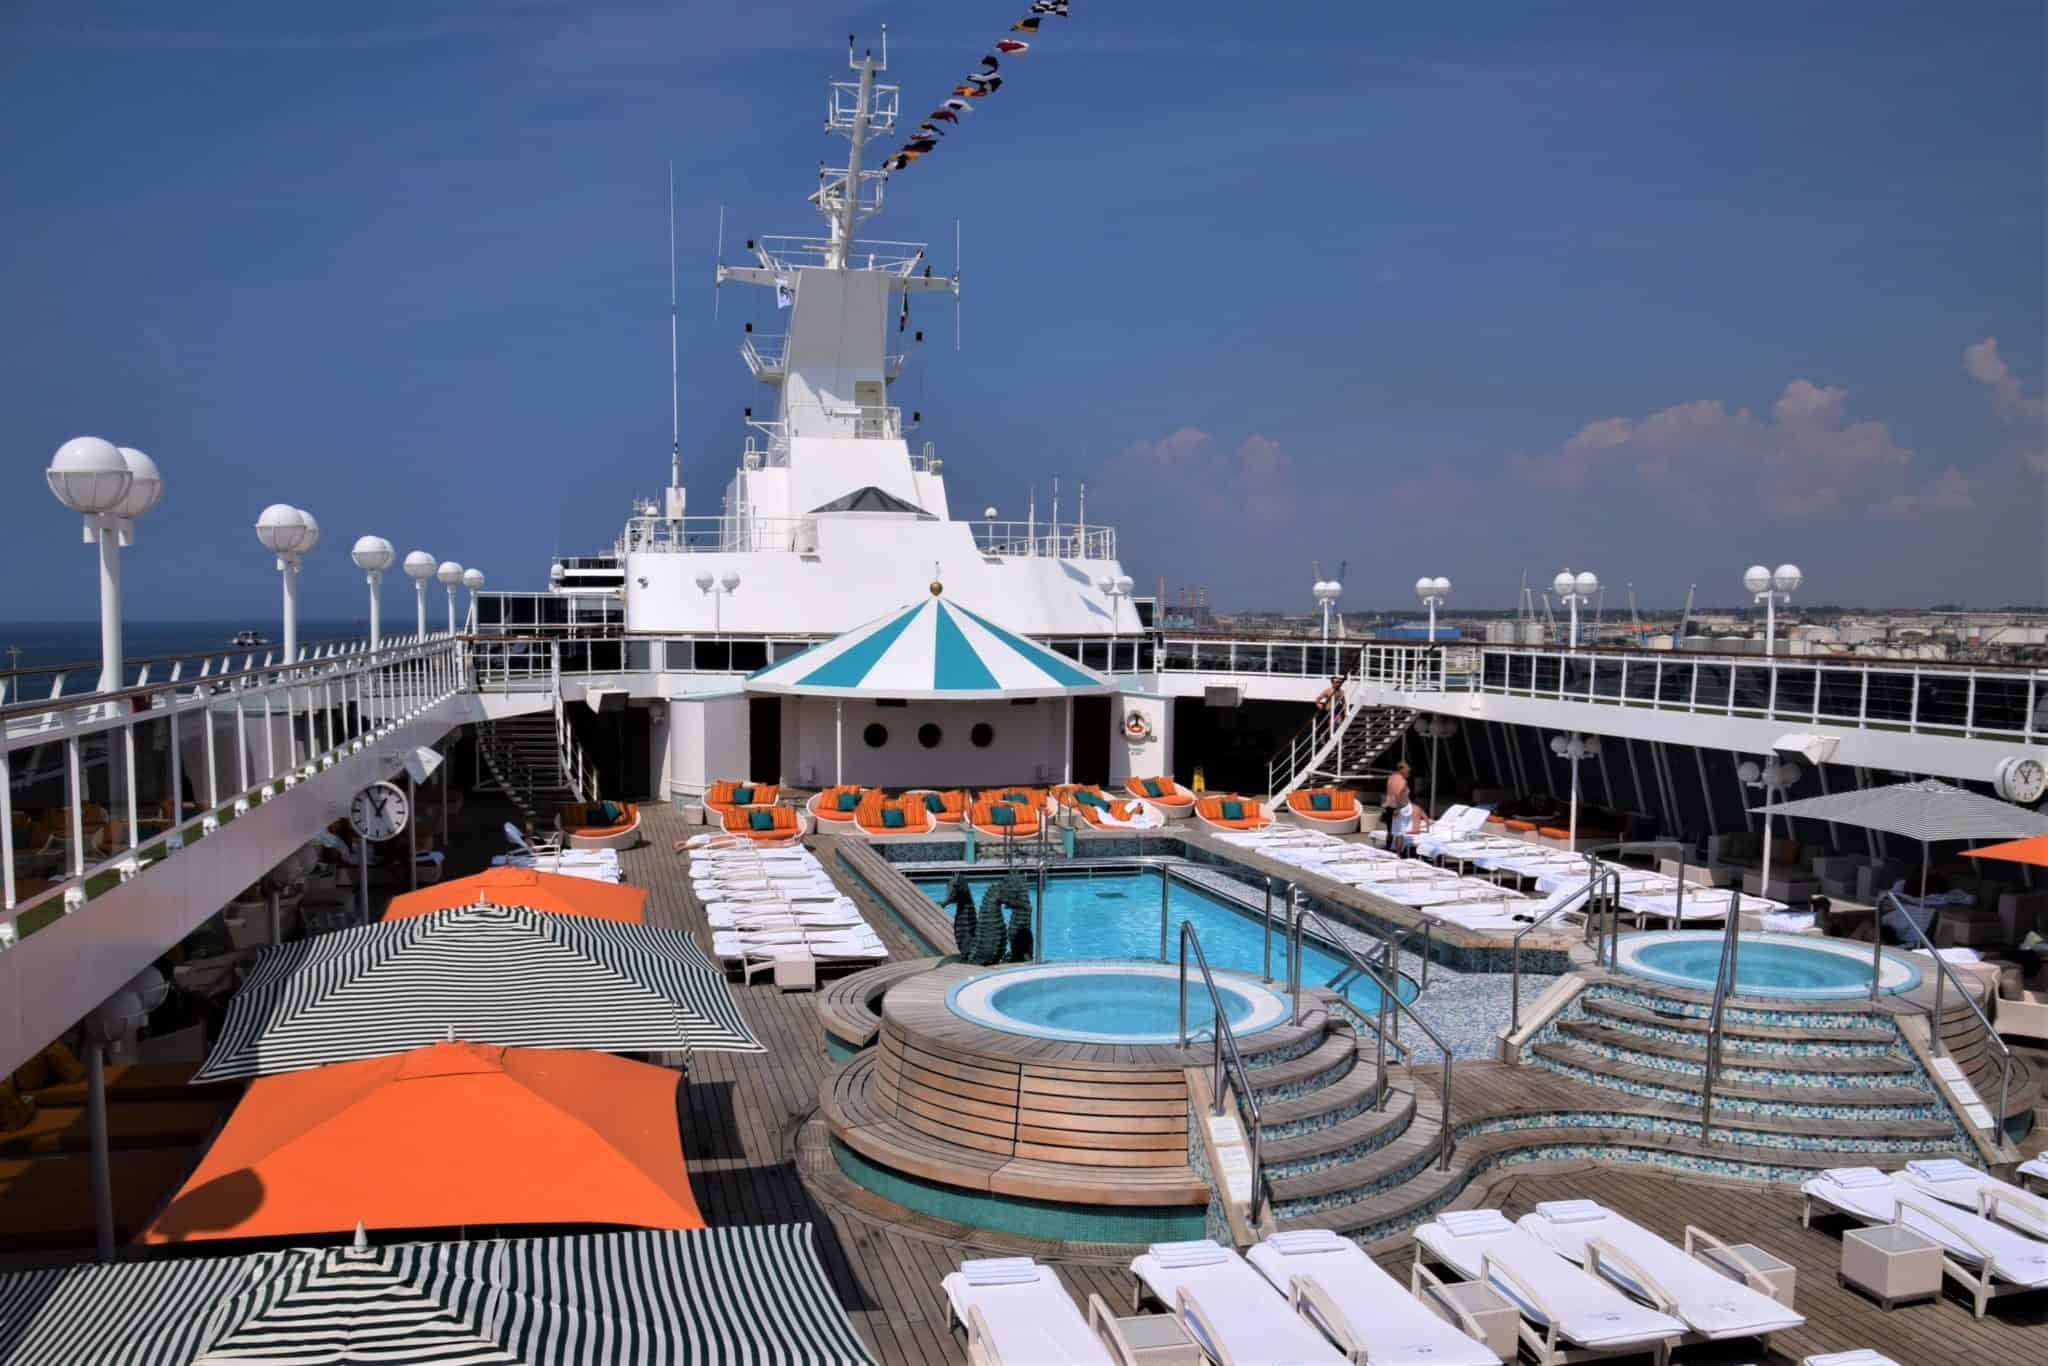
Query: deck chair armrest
[(1899, 1218), (1698, 1242), (981, 1344), (1427, 1286), (1102, 1321), (1312, 1302), (1600, 1254), (1190, 1310), (1991, 1199), (1489, 1268)]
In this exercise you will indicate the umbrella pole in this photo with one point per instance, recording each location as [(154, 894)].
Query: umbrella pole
[(1068, 771), (102, 1174), (276, 917), (363, 876), (1764, 886), (1939, 1046), (412, 807), (838, 743)]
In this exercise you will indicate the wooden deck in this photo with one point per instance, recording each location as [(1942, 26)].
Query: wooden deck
[(757, 1155)]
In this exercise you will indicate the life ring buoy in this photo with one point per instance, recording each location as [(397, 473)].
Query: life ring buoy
[(1137, 727)]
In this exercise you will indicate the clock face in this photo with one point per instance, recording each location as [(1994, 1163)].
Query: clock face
[(379, 812), (2022, 780)]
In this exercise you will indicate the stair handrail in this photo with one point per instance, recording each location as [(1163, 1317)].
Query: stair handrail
[(1724, 981), (1224, 1046), (1389, 986), (1609, 942), (1325, 726), (1515, 974), (1945, 973)]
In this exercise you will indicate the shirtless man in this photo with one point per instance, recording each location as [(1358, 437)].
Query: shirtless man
[(1396, 797)]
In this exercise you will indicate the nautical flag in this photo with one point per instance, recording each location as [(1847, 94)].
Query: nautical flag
[(990, 65), (969, 91), (1028, 24), (959, 107), (925, 130), (948, 115), (983, 85), (1058, 7), (896, 163), (1012, 47), (785, 291), (903, 318), (920, 145)]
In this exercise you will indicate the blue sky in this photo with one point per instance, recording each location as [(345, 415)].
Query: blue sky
[(1465, 290)]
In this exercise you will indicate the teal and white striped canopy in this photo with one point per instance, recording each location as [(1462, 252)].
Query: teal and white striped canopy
[(932, 651)]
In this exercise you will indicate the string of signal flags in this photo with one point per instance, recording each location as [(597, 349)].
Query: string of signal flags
[(980, 83)]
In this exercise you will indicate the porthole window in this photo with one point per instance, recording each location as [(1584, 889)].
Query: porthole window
[(929, 735), (876, 735), (983, 735)]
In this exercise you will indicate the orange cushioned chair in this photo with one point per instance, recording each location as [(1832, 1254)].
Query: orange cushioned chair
[(584, 825), (784, 824), (830, 805), (721, 799), (1338, 811), (1023, 823), (1176, 801), (951, 803), (1251, 816), (872, 819), (1120, 809)]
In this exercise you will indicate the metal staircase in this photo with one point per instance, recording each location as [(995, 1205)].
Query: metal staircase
[(529, 762), (1336, 747)]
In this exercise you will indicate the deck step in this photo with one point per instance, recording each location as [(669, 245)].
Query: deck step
[(1329, 1061), (1820, 1067), (1355, 1135), (1349, 1095), (1418, 1148), (1607, 1071), (1608, 1009)]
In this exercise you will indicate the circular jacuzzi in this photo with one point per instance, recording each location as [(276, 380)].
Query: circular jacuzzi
[(1111, 1002), (1791, 965)]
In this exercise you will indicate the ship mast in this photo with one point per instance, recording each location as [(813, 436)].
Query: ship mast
[(855, 111)]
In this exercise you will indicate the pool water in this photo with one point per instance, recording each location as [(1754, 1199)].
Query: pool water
[(1765, 964), (1110, 1002), (1116, 915)]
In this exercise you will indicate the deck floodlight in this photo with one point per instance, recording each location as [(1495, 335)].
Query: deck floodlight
[(1564, 584), (1575, 589), (1770, 588), (704, 581), (1756, 578), (450, 574), (89, 476), (109, 487), (145, 485), (373, 555), (472, 579), (419, 565), (281, 528), (1589, 584), (312, 536), (729, 580), (1786, 578)]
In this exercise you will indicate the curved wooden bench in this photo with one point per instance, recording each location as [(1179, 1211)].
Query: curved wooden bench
[(850, 1007)]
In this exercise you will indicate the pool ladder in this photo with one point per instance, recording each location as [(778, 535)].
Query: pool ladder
[(1229, 1063)]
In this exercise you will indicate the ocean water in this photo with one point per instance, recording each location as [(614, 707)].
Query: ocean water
[(52, 644)]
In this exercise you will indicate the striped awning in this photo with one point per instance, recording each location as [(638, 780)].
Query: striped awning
[(1925, 810), (479, 974), (750, 1295), (934, 650)]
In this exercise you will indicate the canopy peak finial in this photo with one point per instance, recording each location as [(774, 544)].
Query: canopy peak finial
[(936, 587)]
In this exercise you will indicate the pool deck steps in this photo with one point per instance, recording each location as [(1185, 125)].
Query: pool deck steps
[(1817, 1068)]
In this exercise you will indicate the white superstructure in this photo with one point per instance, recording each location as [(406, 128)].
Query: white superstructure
[(831, 516)]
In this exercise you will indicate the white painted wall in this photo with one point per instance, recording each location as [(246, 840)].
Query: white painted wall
[(707, 739), (1146, 758), (1029, 744)]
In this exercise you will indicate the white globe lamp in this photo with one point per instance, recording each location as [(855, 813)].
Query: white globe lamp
[(285, 532), (419, 567), (109, 487), (717, 589), (473, 580), (1786, 578), (1574, 590), (1756, 578), (1771, 587), (373, 555), (1432, 592), (450, 574)]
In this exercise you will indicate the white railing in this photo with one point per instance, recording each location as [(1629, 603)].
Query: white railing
[(786, 253), (764, 355), (93, 788), (1045, 540), (699, 535)]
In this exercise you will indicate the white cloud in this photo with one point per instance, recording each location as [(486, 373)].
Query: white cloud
[(2026, 413), (1255, 480), (1804, 460)]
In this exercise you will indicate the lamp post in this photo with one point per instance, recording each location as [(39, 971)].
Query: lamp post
[(1114, 588), (1436, 728), (722, 587), (988, 517), (450, 574), (420, 566), (1770, 587), (1432, 592), (1575, 748), (373, 555), (1774, 775), (1326, 592), (1573, 590), (473, 580), (109, 487), (287, 532)]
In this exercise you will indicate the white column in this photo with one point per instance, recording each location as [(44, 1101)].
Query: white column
[(1771, 648), (1068, 752), (451, 609), (1768, 775), (1573, 833), (419, 587), (375, 618), (102, 1167), (110, 607), (1432, 622), (289, 569), (1573, 600), (412, 807), (838, 741)]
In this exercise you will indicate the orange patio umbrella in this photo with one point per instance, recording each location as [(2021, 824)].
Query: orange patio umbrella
[(448, 1135), (530, 888), (2033, 849)]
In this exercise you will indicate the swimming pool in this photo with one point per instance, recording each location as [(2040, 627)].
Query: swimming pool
[(1111, 1002), (1116, 915), (1765, 964)]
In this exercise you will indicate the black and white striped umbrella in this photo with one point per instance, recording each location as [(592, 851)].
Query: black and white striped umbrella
[(655, 1297), (481, 974)]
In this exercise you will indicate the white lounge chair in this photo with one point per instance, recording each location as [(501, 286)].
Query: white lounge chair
[(1016, 1313), (1710, 1302), (1958, 1183), (1365, 1311), (1567, 1315), (1860, 1356), (1985, 1258), (1232, 1311)]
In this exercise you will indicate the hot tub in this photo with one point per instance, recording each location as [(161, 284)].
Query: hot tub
[(1111, 1002), (1791, 965)]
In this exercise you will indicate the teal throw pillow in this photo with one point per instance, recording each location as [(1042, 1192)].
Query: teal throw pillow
[(934, 803), (1233, 811), (1152, 788), (1319, 801), (848, 800), (1087, 798), (742, 796), (893, 818), (761, 820), (1002, 815)]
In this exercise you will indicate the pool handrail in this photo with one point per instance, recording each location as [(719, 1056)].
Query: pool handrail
[(1224, 1046), (1515, 962), (1607, 946), (1724, 980), (1943, 973), (1390, 999)]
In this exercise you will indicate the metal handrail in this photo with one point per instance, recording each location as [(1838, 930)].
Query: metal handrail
[(1389, 986), (1606, 948), (1724, 981), (1515, 976), (1223, 1043), (1945, 973)]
